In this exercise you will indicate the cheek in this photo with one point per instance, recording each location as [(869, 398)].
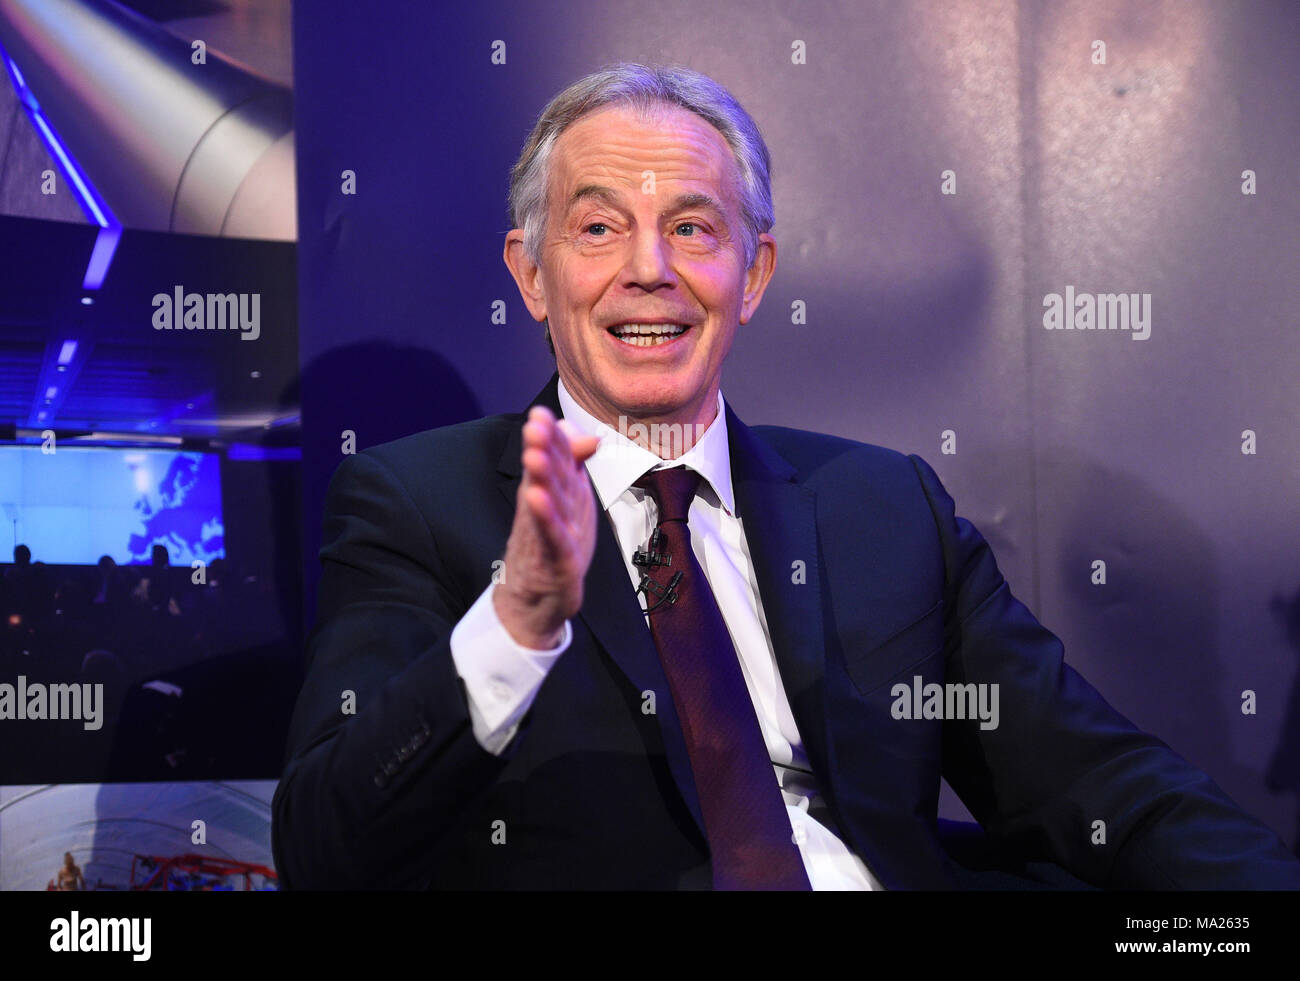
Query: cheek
[(718, 289), (582, 284)]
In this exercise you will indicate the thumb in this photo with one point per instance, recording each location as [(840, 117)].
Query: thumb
[(580, 445)]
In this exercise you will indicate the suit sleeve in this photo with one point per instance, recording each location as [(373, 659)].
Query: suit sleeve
[(1061, 759), (381, 753)]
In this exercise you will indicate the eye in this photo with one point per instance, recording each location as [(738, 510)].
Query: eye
[(595, 224), (687, 224)]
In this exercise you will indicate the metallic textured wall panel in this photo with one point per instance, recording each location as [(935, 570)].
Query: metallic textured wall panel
[(1135, 184), (167, 142)]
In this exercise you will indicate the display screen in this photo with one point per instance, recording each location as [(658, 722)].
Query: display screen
[(75, 504)]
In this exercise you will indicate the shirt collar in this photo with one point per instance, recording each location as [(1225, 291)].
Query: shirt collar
[(618, 462)]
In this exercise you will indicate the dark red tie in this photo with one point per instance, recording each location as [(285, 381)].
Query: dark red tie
[(744, 813)]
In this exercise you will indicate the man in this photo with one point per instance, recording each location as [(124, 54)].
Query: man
[(69, 878), (693, 664)]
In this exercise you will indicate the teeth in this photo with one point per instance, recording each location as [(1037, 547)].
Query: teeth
[(648, 328), (647, 335)]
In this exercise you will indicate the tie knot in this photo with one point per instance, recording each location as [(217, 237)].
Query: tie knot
[(672, 489)]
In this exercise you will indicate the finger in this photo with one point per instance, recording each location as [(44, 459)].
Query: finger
[(583, 447), (572, 476), (537, 430), (541, 470), (541, 432), (538, 467), (580, 448), (550, 530), (563, 456), (568, 471), (567, 434)]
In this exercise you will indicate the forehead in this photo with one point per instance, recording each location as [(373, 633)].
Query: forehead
[(616, 145)]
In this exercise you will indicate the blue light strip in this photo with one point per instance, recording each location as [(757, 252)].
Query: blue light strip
[(98, 215), (101, 256), (110, 229), (249, 452)]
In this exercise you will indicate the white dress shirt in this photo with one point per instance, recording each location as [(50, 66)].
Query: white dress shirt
[(502, 678)]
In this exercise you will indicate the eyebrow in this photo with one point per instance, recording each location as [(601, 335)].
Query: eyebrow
[(687, 199)]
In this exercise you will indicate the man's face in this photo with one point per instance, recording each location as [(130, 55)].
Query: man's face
[(643, 225)]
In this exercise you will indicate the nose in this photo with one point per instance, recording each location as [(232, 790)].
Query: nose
[(649, 260)]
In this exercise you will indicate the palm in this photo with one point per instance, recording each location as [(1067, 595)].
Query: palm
[(554, 532)]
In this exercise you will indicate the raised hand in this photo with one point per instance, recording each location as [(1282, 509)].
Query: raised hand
[(553, 536)]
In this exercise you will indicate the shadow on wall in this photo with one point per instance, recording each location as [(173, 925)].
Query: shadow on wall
[(1148, 639), (1147, 634), (377, 391)]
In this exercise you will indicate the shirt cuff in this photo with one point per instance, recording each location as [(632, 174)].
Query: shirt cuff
[(501, 676)]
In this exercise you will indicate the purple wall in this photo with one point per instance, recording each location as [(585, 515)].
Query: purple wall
[(924, 309)]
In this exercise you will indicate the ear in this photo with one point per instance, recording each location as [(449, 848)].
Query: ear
[(527, 274), (758, 276)]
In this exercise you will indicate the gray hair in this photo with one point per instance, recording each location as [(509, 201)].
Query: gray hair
[(643, 88)]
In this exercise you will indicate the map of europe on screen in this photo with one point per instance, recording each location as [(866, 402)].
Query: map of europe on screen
[(77, 503)]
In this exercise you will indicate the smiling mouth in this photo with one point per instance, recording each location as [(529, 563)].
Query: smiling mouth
[(648, 335)]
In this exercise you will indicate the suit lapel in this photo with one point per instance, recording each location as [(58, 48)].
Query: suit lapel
[(780, 521), (614, 617), (611, 612)]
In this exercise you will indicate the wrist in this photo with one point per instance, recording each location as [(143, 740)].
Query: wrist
[(529, 625)]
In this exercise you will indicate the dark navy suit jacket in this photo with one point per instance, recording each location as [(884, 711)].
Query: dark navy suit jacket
[(867, 579)]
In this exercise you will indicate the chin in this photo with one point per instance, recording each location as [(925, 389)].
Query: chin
[(654, 396)]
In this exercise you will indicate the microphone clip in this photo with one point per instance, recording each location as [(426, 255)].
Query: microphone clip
[(665, 594), (655, 555)]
